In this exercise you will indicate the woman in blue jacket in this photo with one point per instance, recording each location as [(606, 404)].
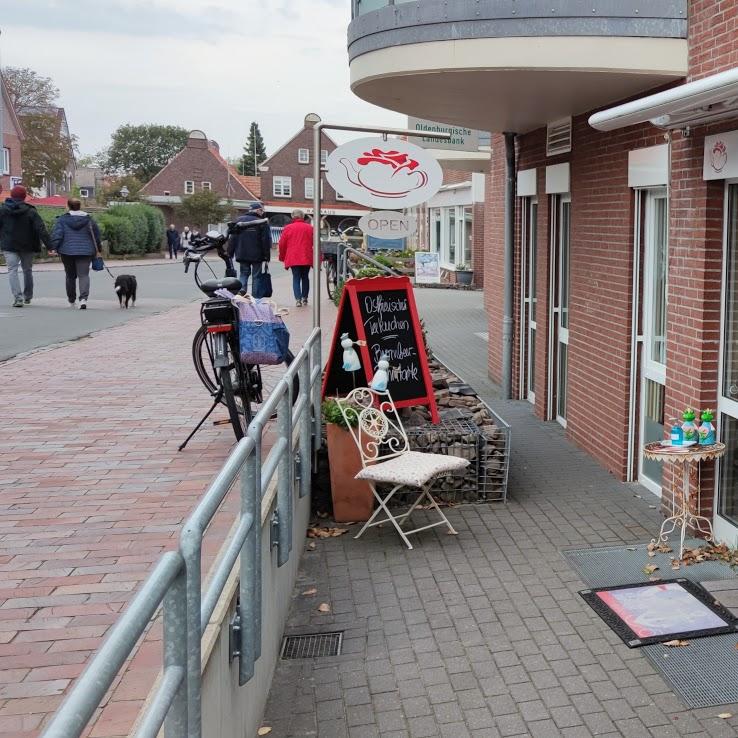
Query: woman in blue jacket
[(76, 238)]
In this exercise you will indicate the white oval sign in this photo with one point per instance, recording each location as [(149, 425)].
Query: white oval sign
[(388, 224), (384, 174)]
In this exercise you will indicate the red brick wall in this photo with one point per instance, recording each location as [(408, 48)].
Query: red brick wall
[(713, 30), (11, 140)]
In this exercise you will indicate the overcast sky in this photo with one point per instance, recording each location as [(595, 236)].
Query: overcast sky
[(209, 64)]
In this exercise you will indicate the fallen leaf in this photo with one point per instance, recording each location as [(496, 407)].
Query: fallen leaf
[(725, 715), (653, 507), (638, 496), (676, 643), (650, 569), (324, 608), (654, 578), (264, 731), (312, 545), (309, 592), (322, 515), (325, 532), (676, 564), (632, 548)]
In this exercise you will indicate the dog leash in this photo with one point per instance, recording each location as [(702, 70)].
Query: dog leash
[(109, 272)]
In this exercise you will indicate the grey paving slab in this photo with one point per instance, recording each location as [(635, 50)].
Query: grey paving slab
[(484, 634)]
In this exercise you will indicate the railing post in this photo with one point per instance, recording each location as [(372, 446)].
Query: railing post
[(250, 604), (175, 653), (255, 431), (191, 547), (286, 467), (306, 427)]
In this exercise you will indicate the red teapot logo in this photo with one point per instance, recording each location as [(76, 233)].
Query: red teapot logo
[(719, 156), (385, 173)]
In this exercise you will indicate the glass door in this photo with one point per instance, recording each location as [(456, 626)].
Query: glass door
[(528, 289), (558, 369), (653, 343), (726, 510)]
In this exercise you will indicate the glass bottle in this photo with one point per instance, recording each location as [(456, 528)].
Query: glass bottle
[(677, 434)]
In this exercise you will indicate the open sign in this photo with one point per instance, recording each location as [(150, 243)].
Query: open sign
[(388, 224)]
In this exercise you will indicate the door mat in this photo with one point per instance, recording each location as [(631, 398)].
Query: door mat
[(656, 612), (703, 673), (615, 565)]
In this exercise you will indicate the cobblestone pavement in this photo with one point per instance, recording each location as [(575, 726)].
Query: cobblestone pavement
[(92, 491), (481, 634)]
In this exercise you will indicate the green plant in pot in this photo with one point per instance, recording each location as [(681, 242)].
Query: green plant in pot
[(353, 500), (464, 273)]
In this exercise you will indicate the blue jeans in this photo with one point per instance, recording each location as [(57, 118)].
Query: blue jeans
[(247, 269), (301, 282), (24, 261)]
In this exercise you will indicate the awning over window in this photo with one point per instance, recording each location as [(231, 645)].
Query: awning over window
[(691, 104)]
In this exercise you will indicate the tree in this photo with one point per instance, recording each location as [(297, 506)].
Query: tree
[(203, 208), (112, 187), (27, 89), (46, 150), (254, 152), (143, 150)]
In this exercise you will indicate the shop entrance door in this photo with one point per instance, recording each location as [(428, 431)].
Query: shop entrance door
[(725, 521), (528, 304), (653, 326), (558, 365)]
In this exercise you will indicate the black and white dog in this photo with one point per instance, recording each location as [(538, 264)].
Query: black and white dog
[(125, 286)]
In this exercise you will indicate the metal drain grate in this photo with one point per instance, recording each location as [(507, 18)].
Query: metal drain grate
[(311, 646), (608, 567), (703, 673)]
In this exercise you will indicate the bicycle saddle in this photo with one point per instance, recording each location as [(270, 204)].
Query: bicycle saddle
[(228, 283)]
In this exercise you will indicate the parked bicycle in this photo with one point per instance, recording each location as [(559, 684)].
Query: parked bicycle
[(216, 346)]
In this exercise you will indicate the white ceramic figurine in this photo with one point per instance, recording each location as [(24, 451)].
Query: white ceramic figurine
[(381, 376), (351, 361)]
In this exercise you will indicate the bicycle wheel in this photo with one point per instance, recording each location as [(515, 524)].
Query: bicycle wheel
[(236, 397), (331, 278)]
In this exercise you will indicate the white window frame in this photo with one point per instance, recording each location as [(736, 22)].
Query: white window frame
[(189, 187), (323, 157), (6, 160), (84, 192), (303, 156), (209, 187), (309, 184), (282, 186)]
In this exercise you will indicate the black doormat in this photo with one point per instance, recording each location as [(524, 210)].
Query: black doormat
[(656, 612)]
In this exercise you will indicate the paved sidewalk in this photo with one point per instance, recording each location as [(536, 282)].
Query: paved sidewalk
[(93, 490), (55, 264), (482, 634)]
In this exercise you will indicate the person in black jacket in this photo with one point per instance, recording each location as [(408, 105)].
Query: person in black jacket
[(21, 233), (251, 247), (172, 241)]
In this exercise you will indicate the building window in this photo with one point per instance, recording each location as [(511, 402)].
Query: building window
[(6, 161), (189, 187), (309, 188), (282, 186), (167, 193), (207, 186), (84, 192), (303, 156), (339, 196), (323, 157)]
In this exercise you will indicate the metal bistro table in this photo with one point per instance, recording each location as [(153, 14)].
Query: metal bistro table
[(686, 456)]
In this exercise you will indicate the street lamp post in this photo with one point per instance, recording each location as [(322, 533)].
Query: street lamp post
[(124, 192)]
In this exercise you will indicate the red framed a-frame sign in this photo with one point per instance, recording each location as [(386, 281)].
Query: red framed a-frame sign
[(381, 313)]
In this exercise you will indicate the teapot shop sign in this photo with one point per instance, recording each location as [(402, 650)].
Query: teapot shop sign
[(390, 174), (387, 224)]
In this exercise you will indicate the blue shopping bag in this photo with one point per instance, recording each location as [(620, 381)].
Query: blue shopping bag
[(263, 336)]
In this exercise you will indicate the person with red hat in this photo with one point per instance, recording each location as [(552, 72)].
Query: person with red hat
[(21, 233)]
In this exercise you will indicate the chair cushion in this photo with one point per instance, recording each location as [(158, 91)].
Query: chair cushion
[(412, 469)]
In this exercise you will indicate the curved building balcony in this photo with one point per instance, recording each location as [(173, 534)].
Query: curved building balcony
[(512, 65)]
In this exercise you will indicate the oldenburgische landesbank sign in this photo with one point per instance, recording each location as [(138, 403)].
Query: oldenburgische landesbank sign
[(392, 174)]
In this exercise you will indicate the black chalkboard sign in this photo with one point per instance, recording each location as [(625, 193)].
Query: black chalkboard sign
[(381, 313)]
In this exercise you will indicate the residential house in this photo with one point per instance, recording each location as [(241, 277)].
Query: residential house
[(11, 165), (615, 140), (287, 182), (198, 167), (48, 188), (89, 181)]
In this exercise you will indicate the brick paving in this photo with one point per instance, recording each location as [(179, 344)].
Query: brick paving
[(92, 491), (482, 634)]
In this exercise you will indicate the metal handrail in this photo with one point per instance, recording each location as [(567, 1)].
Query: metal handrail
[(378, 264), (175, 581)]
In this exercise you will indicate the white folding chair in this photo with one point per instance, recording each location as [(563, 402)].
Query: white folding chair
[(386, 458)]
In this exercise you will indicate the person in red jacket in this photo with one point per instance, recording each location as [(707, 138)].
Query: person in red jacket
[(296, 251)]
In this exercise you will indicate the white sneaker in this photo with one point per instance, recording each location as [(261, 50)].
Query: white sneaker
[(83, 304), (73, 304)]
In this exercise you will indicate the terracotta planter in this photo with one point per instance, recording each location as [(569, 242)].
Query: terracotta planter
[(353, 500)]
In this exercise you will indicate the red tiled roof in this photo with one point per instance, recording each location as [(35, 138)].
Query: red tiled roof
[(57, 201), (252, 184), (234, 173)]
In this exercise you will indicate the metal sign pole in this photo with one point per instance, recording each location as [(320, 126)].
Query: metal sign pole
[(317, 130)]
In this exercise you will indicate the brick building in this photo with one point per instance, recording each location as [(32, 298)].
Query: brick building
[(11, 165), (622, 206), (198, 166), (287, 182)]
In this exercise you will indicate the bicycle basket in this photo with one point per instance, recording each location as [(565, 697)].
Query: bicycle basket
[(263, 336)]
